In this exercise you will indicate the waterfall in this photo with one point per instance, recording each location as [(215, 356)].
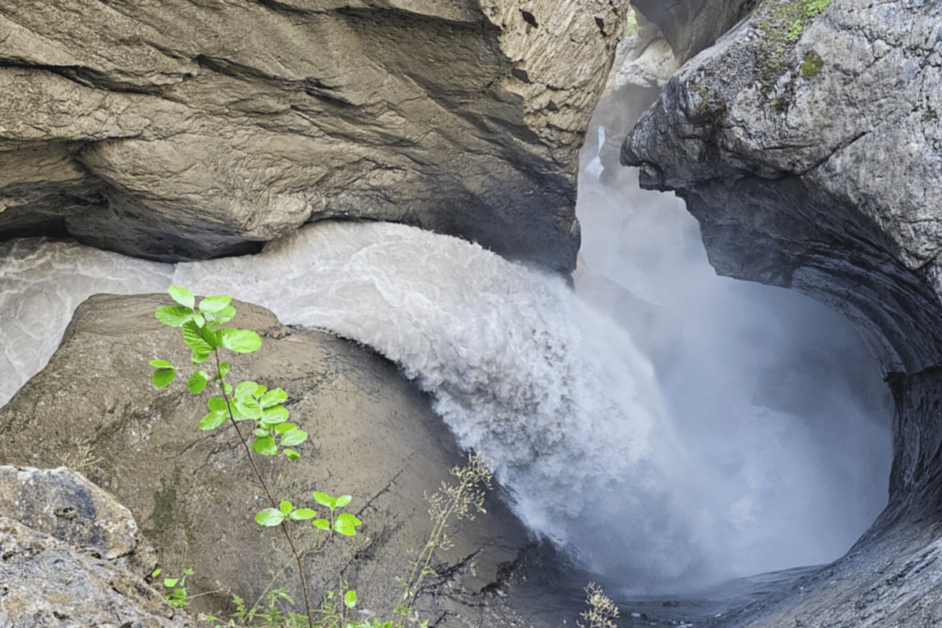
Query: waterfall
[(622, 425)]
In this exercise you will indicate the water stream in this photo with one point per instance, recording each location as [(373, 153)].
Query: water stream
[(666, 427)]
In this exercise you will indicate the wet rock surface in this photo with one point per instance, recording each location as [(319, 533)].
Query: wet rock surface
[(805, 144), (187, 130), (73, 556), (193, 493)]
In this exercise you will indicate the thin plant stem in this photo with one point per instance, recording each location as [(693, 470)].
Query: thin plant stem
[(271, 498)]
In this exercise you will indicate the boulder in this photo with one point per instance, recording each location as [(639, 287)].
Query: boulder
[(185, 130), (373, 436), (805, 142), (73, 556)]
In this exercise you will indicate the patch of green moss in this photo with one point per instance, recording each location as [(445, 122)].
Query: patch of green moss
[(787, 20), (632, 23), (812, 65), (166, 517), (782, 26)]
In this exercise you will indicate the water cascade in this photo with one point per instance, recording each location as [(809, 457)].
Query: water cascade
[(738, 434)]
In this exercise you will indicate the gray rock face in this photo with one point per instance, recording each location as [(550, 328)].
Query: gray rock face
[(805, 173), (372, 436), (806, 144), (692, 25), (186, 130), (73, 556)]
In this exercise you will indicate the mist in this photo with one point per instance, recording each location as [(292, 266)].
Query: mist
[(664, 427), (778, 404)]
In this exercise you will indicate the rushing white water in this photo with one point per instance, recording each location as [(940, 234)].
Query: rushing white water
[(41, 284), (556, 395), (740, 431)]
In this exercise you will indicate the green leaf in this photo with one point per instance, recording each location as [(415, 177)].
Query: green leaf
[(161, 364), (199, 320), (260, 432), (274, 416), (223, 316), (350, 599), (224, 368), (303, 513), (245, 389), (227, 388), (212, 420), (218, 404), (269, 517), (198, 382), (182, 296), (292, 454), (293, 438), (247, 407), (156, 572), (286, 507), (171, 582), (272, 397), (281, 428), (174, 315), (198, 358), (342, 501), (346, 524), (239, 340), (265, 446), (323, 499), (215, 304), (321, 524), (162, 377), (198, 339)]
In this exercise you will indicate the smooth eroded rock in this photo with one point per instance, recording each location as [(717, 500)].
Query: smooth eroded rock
[(373, 436), (186, 130), (805, 142)]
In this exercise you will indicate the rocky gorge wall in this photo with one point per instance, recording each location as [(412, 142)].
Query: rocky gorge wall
[(186, 130), (805, 142)]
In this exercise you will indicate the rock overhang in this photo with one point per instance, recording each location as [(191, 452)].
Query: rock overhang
[(188, 131)]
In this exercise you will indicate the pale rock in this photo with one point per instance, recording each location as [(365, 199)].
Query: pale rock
[(184, 130)]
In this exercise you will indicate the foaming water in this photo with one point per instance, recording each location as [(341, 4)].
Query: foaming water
[(558, 398), (668, 465), (41, 284), (739, 431)]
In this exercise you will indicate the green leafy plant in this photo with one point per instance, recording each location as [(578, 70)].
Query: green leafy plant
[(176, 596), (271, 433)]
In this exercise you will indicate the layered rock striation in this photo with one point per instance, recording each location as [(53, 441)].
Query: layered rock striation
[(806, 143), (186, 130)]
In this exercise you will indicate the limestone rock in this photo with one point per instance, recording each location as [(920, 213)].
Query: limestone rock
[(73, 556), (692, 25), (808, 155), (184, 130), (805, 142), (373, 436)]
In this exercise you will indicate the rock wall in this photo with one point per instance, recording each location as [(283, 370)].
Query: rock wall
[(373, 436), (805, 142), (73, 556), (185, 130)]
